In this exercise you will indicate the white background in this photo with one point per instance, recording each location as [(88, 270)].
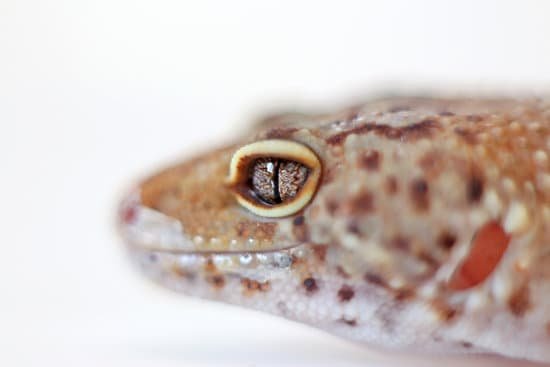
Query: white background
[(95, 94)]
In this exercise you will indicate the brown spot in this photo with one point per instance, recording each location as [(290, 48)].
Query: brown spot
[(299, 220), (332, 207), (548, 328), (299, 229), (519, 302), (428, 259), (403, 294), (182, 273), (468, 136), (346, 293), (475, 189), (370, 160), (217, 281), (391, 185), (341, 272), (444, 311), (349, 322), (362, 203), (474, 118), (375, 279), (446, 240), (280, 132), (400, 243), (466, 345), (419, 194), (353, 227), (310, 285), (251, 286), (320, 251)]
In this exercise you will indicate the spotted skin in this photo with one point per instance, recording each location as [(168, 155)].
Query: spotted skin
[(406, 185)]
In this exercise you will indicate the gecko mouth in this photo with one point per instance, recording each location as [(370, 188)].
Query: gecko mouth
[(145, 229)]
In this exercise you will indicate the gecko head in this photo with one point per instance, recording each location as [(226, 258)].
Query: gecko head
[(232, 218)]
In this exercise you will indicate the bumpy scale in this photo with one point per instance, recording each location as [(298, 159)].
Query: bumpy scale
[(424, 224)]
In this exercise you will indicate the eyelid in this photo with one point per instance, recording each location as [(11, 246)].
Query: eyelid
[(274, 148)]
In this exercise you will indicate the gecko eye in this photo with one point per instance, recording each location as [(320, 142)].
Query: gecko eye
[(274, 178)]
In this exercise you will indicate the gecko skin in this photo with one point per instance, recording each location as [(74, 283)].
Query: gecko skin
[(429, 229)]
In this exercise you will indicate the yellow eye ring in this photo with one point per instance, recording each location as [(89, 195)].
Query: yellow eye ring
[(239, 175)]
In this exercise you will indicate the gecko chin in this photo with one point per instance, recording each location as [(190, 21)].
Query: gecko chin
[(214, 268)]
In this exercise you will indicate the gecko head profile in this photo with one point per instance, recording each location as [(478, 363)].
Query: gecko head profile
[(416, 223), (235, 213)]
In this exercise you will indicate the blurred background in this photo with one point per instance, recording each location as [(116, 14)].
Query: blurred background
[(93, 95)]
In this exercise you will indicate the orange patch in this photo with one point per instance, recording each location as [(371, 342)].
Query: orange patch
[(488, 247)]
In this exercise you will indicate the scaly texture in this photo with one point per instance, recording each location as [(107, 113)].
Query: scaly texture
[(407, 184)]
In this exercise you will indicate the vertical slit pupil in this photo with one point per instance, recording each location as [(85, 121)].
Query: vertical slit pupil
[(274, 181)]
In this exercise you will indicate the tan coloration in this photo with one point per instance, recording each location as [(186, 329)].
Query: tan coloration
[(194, 193), (519, 302), (296, 199), (406, 184)]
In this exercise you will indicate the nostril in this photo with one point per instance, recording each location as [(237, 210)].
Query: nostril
[(128, 210), (488, 247)]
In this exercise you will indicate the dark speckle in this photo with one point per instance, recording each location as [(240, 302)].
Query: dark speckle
[(375, 279), (474, 118), (466, 345), (401, 243), (332, 207), (341, 272), (346, 293), (446, 240), (300, 229), (467, 135), (298, 221), (310, 285), (419, 194), (446, 313), (217, 281), (404, 294), (320, 251), (519, 301), (475, 189), (251, 286), (349, 322), (370, 160), (391, 185)]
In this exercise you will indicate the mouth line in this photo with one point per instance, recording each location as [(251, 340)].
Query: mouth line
[(173, 251)]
